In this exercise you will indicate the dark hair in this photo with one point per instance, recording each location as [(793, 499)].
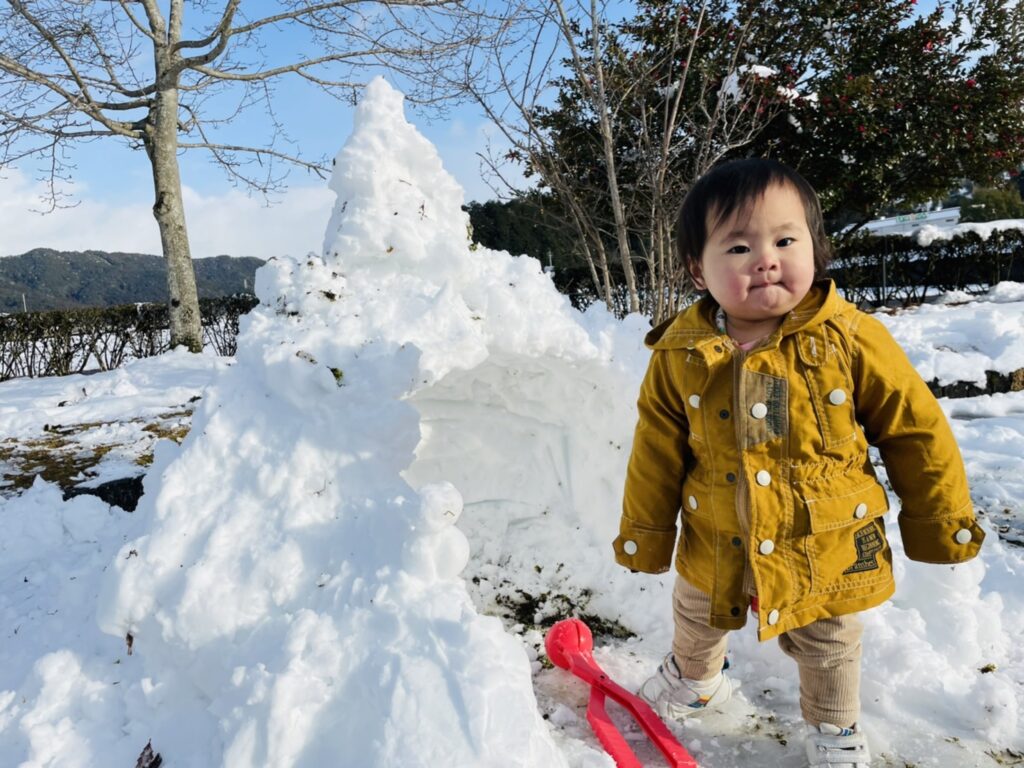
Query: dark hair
[(736, 185)]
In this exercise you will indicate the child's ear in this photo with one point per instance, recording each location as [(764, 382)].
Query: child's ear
[(698, 275)]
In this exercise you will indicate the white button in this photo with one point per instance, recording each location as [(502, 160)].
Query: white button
[(629, 547), (963, 536), (773, 617), (759, 410), (767, 547), (692, 501), (763, 477), (695, 401), (837, 397), (860, 510)]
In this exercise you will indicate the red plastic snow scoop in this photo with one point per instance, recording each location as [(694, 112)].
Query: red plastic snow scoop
[(569, 644)]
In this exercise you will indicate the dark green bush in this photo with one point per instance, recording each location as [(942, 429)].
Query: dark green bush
[(60, 342), (898, 270)]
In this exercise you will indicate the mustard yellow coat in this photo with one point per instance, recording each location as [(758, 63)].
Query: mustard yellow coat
[(766, 455)]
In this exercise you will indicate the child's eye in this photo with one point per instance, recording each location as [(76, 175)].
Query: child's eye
[(786, 241), (738, 249)]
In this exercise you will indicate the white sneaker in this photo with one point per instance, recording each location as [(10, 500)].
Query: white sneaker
[(674, 696), (834, 747)]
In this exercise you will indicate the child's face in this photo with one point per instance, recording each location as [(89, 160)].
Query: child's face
[(759, 267)]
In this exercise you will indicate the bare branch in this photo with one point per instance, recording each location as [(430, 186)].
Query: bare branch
[(157, 26), (221, 45), (308, 11), (297, 68), (221, 32), (48, 36), (319, 170), (84, 58), (79, 102), (126, 7)]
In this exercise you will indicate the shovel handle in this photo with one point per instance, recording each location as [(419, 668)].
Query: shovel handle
[(613, 742)]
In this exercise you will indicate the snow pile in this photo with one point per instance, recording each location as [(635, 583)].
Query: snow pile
[(959, 343), (291, 584), (929, 233)]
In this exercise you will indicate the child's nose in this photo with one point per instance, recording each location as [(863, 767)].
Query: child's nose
[(767, 259)]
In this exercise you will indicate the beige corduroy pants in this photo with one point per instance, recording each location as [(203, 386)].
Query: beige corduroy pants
[(827, 653)]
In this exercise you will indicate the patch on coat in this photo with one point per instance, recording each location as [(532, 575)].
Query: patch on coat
[(776, 391), (868, 541)]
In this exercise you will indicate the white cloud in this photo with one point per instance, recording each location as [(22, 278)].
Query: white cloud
[(87, 225), (229, 223), (238, 225)]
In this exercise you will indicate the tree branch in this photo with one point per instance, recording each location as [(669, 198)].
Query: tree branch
[(319, 170), (221, 32), (157, 25), (312, 10), (219, 48), (49, 37), (125, 6), (296, 68), (81, 103)]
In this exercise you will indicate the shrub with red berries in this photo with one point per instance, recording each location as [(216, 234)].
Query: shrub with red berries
[(906, 105)]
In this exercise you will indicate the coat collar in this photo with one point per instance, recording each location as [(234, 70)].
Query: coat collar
[(694, 327)]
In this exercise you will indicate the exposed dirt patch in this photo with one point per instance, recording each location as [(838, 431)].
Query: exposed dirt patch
[(69, 455), (543, 610)]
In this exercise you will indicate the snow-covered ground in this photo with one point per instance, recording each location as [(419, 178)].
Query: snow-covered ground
[(414, 465), (929, 233)]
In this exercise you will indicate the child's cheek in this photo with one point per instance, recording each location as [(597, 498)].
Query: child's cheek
[(737, 285)]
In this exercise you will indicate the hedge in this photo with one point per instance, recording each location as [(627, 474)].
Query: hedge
[(61, 342)]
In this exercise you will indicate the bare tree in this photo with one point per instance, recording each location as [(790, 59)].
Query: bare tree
[(618, 118), (171, 77)]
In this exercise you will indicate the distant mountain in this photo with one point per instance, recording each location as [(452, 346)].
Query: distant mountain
[(71, 279)]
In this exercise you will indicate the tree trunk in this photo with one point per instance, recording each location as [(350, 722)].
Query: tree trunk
[(608, 144), (169, 210), (598, 272)]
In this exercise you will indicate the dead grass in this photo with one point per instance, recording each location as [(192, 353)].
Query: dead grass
[(59, 457)]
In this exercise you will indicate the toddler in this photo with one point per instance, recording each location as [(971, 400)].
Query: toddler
[(755, 417)]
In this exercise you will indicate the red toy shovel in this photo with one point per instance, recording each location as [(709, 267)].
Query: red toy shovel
[(569, 644)]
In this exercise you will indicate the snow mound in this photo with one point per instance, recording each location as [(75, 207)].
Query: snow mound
[(986, 335), (929, 233), (292, 591)]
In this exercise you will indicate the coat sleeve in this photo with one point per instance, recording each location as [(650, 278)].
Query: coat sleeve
[(654, 478), (903, 420)]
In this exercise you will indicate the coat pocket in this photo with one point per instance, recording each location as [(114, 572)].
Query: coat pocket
[(847, 548), (710, 553), (831, 390)]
